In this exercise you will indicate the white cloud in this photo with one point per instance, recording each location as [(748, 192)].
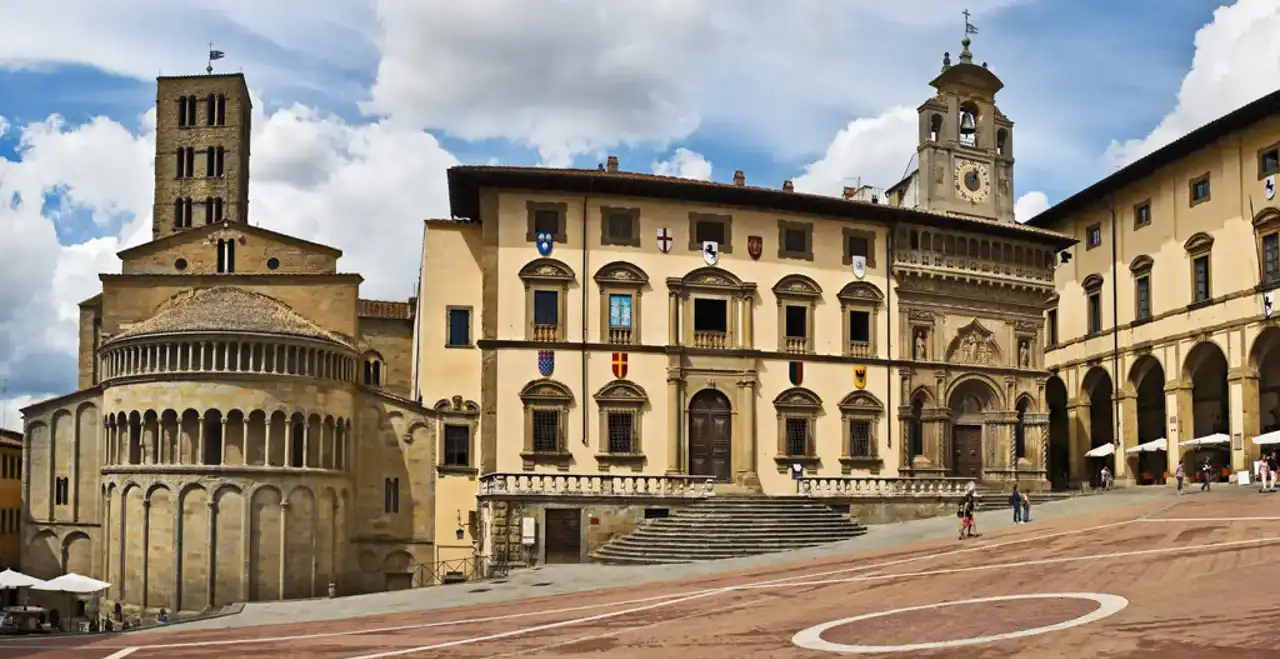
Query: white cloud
[(1030, 205), (684, 164), (875, 150), (1237, 60)]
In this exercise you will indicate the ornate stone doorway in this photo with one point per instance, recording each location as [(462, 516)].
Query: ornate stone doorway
[(711, 435), (969, 404)]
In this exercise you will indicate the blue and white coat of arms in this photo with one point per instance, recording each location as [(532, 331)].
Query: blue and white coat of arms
[(544, 243), (546, 362)]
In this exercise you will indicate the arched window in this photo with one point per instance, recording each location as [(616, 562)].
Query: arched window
[(297, 442), (916, 429), (1002, 141), (209, 109), (373, 369), (969, 124), (391, 495)]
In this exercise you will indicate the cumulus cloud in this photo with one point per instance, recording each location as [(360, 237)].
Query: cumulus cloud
[(875, 150), (1030, 205), (684, 164), (1237, 60)]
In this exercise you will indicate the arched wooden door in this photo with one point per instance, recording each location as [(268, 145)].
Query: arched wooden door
[(711, 435)]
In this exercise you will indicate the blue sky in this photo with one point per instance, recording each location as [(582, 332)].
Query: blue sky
[(363, 104)]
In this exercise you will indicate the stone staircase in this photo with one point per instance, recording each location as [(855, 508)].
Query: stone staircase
[(730, 527)]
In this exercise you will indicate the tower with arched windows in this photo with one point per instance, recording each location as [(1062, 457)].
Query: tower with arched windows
[(966, 143)]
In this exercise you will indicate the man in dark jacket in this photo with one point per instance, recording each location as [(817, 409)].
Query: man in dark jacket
[(1015, 500)]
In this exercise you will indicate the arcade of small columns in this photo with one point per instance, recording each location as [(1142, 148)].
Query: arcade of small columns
[(229, 356), (281, 439), (1008, 436)]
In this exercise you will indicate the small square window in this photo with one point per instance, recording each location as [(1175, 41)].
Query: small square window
[(546, 221), (1093, 236), (459, 327), (1200, 190), (795, 240), (1141, 215), (1269, 162), (619, 228), (709, 231), (710, 315), (857, 246)]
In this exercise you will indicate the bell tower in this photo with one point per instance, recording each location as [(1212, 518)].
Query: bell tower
[(202, 152), (966, 144)]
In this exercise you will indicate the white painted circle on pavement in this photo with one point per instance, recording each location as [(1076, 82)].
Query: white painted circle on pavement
[(811, 638)]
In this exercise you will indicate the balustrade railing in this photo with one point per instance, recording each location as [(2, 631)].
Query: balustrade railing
[(597, 485), (973, 264), (546, 333), (859, 349), (796, 344), (876, 486), (620, 335), (709, 339)]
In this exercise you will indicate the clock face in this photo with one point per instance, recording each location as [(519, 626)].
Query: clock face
[(973, 181)]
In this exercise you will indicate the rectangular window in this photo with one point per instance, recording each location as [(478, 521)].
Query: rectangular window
[(860, 439), (546, 308), (797, 436), (1271, 258), (1143, 295), (210, 109), (710, 315), (621, 432), (857, 246), (860, 326), (709, 231), (1141, 215), (222, 110), (210, 161), (546, 431), (1093, 236), (546, 221), (796, 321), (182, 112), (1095, 313), (1051, 327), (459, 327), (619, 228), (1269, 162), (1200, 267), (795, 240), (457, 446), (1200, 190), (620, 311), (391, 495)]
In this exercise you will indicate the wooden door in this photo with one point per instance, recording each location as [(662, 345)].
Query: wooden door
[(562, 535), (966, 451), (711, 436)]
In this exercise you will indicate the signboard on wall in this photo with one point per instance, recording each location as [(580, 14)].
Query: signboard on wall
[(528, 531)]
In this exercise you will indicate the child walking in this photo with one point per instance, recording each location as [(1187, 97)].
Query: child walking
[(1026, 508)]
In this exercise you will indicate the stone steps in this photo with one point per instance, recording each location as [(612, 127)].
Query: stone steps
[(730, 527)]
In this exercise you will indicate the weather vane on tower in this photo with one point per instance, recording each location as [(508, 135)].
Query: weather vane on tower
[(213, 55), (965, 55)]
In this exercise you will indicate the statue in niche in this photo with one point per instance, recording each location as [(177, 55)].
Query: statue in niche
[(921, 350), (1024, 353)]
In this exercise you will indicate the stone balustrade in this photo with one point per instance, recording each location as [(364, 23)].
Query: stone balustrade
[(878, 486), (597, 485)]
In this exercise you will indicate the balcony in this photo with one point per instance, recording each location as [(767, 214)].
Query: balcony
[(975, 265), (860, 349), (546, 333), (710, 339), (620, 335), (796, 345)]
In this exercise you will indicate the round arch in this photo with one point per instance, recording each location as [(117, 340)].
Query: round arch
[(710, 433), (1264, 359), (1206, 370), (1058, 460)]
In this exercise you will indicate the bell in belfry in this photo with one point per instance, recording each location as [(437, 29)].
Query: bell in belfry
[(967, 126)]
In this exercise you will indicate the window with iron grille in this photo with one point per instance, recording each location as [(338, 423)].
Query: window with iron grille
[(860, 439), (1201, 269), (457, 446), (797, 436), (546, 431), (1271, 259), (621, 432)]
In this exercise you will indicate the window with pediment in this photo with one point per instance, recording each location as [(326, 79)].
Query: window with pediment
[(860, 303), (715, 309), (546, 420), (621, 404), (621, 285), (798, 410), (797, 297), (457, 421), (1200, 249), (1141, 269), (1266, 230), (546, 286), (860, 414)]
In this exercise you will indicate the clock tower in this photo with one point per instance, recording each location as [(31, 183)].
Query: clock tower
[(966, 144)]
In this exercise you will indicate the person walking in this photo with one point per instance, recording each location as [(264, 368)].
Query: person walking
[(1179, 474), (1026, 508), (1206, 468), (1015, 500), (1273, 464)]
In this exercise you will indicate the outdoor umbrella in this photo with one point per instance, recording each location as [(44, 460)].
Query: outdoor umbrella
[(73, 583), (11, 579), (1208, 440)]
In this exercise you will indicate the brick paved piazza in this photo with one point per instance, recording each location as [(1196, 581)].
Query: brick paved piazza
[(1153, 575)]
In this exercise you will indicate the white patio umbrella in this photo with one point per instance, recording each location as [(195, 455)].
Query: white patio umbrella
[(73, 583), (1101, 451), (10, 579), (1208, 440), (1153, 445), (1267, 438)]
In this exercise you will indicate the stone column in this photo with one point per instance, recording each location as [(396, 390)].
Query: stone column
[(288, 442), (748, 320), (284, 533), (266, 448), (675, 396), (222, 456), (199, 458), (306, 442), (1078, 416), (146, 553), (1182, 427), (748, 446), (1250, 425), (673, 318), (1127, 467)]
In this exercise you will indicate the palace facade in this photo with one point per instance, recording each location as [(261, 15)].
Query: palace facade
[(1161, 325), (590, 334)]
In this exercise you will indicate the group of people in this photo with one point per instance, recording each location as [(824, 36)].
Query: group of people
[(1266, 469), (1019, 501)]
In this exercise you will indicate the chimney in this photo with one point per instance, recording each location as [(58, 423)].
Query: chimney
[(739, 179), (849, 192), (612, 167), (787, 186)]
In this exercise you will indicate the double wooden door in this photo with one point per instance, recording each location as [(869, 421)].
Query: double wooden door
[(966, 451), (711, 436)]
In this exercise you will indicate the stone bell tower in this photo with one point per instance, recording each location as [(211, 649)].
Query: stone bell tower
[(202, 152), (966, 144)]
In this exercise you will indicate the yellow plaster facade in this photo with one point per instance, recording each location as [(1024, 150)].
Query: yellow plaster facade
[(1159, 328), (10, 498)]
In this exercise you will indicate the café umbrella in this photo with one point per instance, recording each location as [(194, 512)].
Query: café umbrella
[(1101, 451), (9, 579), (1268, 438), (1208, 440), (1153, 445), (73, 583)]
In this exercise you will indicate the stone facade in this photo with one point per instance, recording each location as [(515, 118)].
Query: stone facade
[(225, 443), (1160, 326), (598, 340), (10, 498)]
